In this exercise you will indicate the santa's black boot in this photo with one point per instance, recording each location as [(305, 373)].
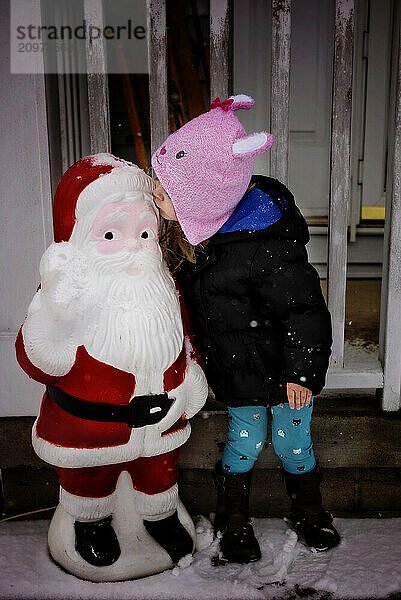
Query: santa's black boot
[(171, 534), (97, 542), (313, 524), (238, 542)]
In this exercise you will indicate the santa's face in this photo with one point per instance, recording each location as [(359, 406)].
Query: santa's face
[(132, 303), (125, 233)]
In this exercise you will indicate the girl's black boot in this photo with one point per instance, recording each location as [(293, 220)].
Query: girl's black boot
[(308, 518), (238, 542)]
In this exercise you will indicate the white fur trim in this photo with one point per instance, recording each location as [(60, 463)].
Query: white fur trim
[(153, 507), (71, 458), (120, 180), (86, 509), (105, 158), (140, 556), (144, 441)]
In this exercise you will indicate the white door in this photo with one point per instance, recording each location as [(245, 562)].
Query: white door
[(310, 99), (310, 111), (371, 109)]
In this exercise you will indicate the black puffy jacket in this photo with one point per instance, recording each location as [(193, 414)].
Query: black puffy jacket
[(257, 311)]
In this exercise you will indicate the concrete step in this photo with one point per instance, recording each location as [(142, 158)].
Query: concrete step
[(358, 447), (357, 444), (346, 492), (347, 431)]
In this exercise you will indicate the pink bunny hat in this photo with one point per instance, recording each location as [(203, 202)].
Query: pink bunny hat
[(206, 166)]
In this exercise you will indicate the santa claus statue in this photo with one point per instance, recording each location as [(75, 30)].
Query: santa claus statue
[(104, 333)]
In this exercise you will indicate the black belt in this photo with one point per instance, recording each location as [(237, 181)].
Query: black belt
[(142, 410)]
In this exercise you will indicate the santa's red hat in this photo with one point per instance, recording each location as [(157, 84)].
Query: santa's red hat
[(87, 182)]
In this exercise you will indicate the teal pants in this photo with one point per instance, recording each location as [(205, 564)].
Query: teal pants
[(291, 437)]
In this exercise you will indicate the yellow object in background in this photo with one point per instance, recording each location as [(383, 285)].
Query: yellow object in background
[(373, 212)]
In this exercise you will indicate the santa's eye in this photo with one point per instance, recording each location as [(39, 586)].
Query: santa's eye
[(112, 234), (147, 234), (180, 154)]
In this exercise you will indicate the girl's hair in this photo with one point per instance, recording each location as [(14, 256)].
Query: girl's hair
[(175, 246)]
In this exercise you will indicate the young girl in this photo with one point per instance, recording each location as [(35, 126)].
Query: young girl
[(258, 315)]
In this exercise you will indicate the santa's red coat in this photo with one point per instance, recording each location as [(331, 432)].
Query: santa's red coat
[(93, 381)]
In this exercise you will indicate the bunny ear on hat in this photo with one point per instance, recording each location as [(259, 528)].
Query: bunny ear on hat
[(253, 144), (234, 103), (250, 145), (241, 101)]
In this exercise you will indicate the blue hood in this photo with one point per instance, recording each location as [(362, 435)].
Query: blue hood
[(257, 210)]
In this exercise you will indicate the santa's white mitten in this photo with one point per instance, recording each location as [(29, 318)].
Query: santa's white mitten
[(63, 282), (53, 328), (197, 389)]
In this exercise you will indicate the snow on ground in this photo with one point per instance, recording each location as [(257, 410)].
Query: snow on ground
[(365, 565)]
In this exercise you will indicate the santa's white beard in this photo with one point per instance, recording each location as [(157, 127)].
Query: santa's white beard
[(130, 322), (134, 324)]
